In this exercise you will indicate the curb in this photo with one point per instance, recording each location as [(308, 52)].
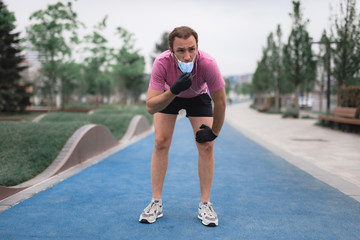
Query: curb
[(38, 118), (138, 125)]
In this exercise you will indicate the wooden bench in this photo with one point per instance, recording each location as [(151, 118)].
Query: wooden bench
[(264, 107), (342, 116)]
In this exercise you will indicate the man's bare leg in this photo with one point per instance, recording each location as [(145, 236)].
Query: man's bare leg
[(206, 161), (164, 127)]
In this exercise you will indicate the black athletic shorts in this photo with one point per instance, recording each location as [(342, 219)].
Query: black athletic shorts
[(199, 106)]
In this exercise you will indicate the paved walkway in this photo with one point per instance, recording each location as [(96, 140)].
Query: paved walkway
[(329, 155), (256, 193)]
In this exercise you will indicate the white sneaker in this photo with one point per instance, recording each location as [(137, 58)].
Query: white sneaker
[(151, 212), (208, 215)]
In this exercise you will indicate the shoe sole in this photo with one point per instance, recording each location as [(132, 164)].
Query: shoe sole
[(148, 222), (208, 224)]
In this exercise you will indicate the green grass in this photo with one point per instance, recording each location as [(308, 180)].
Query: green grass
[(133, 110), (117, 123), (27, 148), (117, 120)]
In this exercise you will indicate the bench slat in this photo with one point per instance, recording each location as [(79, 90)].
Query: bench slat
[(340, 120), (342, 115), (344, 112)]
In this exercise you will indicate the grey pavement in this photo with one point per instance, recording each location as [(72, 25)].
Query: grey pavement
[(330, 155)]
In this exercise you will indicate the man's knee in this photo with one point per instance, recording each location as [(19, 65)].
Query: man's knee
[(162, 143), (206, 147)]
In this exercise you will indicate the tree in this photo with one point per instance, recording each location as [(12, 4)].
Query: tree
[(243, 88), (69, 73), (298, 60), (97, 78), (277, 66), (13, 95), (162, 46), (260, 81), (47, 37), (347, 50), (227, 85), (129, 68), (273, 65), (268, 72), (324, 65)]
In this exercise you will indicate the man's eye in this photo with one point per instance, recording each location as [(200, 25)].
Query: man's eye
[(181, 50)]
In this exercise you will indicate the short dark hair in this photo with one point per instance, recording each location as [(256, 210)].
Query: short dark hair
[(183, 32)]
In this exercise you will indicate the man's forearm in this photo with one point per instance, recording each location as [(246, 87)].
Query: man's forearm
[(219, 118), (219, 98), (159, 102)]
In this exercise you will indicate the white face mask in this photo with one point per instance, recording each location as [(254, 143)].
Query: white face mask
[(185, 67)]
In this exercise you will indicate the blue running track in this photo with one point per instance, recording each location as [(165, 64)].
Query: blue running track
[(257, 195)]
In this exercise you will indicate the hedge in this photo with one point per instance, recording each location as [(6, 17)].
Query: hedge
[(350, 96)]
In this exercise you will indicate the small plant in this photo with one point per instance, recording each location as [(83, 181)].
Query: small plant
[(307, 117), (290, 113)]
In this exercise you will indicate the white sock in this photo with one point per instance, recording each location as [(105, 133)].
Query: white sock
[(157, 200), (202, 203)]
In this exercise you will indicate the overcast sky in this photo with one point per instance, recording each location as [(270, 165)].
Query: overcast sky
[(232, 31)]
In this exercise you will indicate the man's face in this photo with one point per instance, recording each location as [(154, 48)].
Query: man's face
[(185, 49)]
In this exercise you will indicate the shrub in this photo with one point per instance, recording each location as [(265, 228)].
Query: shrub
[(66, 117), (290, 112), (350, 96), (116, 123), (131, 109)]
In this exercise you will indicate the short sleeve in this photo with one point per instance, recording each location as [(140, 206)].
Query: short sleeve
[(214, 79), (158, 76)]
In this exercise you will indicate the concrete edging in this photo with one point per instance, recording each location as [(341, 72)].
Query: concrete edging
[(138, 125), (38, 118)]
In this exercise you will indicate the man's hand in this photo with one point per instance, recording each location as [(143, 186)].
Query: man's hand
[(182, 83), (205, 134)]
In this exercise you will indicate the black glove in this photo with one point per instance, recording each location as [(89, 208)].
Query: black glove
[(182, 83), (205, 134)]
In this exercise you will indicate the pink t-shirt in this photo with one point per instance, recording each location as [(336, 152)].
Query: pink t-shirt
[(206, 74)]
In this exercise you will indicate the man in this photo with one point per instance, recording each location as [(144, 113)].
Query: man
[(181, 78)]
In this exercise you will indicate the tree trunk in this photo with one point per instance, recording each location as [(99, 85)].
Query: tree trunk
[(97, 101), (297, 94), (340, 86), (62, 97), (321, 92), (51, 100), (277, 102)]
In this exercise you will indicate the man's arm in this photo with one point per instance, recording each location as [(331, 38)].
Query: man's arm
[(206, 134), (219, 98), (158, 100)]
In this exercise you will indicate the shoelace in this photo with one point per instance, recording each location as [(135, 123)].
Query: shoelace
[(209, 210), (150, 207)]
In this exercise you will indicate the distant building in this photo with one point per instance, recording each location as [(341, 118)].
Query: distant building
[(240, 79), (236, 82)]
